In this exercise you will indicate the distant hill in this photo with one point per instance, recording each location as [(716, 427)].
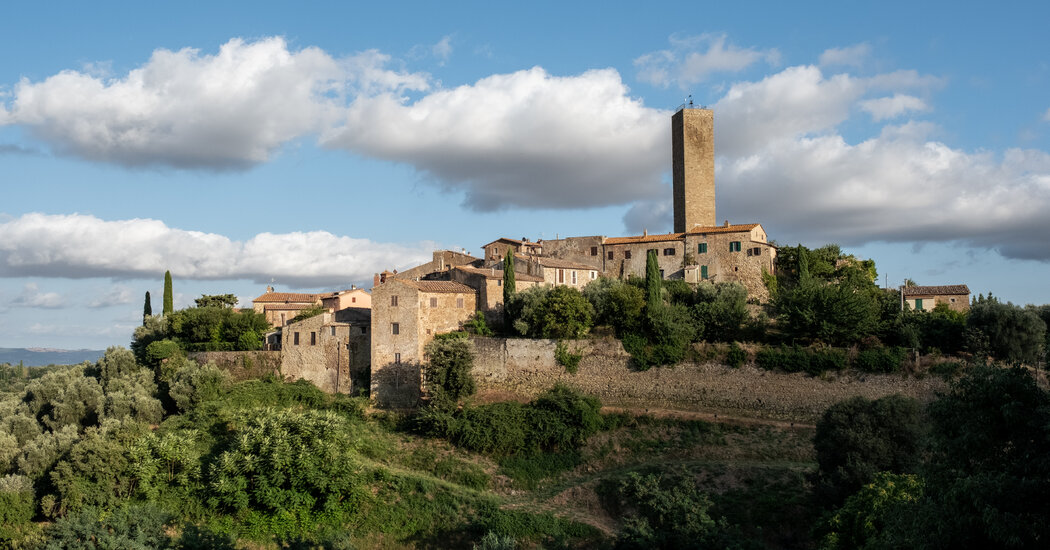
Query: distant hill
[(40, 357)]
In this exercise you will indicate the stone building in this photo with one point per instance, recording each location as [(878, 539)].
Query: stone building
[(332, 350), (556, 271), (925, 298), (281, 307), (354, 297), (488, 282), (496, 250), (406, 314)]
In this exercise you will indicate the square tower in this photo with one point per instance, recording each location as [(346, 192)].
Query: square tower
[(693, 168)]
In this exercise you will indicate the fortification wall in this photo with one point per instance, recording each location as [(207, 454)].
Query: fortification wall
[(526, 368), (242, 365)]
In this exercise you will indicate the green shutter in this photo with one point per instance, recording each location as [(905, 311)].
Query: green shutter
[(701, 248), (918, 304), (703, 272)]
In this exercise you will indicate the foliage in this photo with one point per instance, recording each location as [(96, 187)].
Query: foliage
[(17, 502), (664, 512), (567, 358), (616, 303), (478, 325), (65, 398), (720, 310), (551, 312), (493, 541), (870, 510), (153, 328), (509, 285), (836, 313), (116, 362), (736, 356), (128, 527), (169, 297), (858, 437), (448, 373), (307, 313), (216, 300), (133, 396), (296, 465), (147, 308), (97, 471), (813, 361), (653, 280), (194, 384), (880, 359), (1014, 334)]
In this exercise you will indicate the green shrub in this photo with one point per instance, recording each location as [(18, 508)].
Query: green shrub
[(128, 527), (478, 325), (448, 373), (736, 356), (568, 359), (880, 360), (17, 504), (493, 541)]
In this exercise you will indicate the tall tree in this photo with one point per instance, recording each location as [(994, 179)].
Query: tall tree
[(652, 280), (508, 278), (147, 309), (169, 299)]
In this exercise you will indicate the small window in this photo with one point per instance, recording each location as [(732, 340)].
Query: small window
[(703, 272), (594, 251), (333, 331), (393, 301), (313, 338), (459, 302), (353, 300), (668, 252), (428, 331), (433, 302), (499, 282), (626, 254), (295, 338), (397, 358), (952, 300), (574, 276), (594, 275), (561, 276), (734, 246), (701, 248), (395, 328), (661, 274), (610, 254)]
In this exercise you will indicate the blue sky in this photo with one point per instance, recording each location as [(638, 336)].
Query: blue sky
[(316, 144)]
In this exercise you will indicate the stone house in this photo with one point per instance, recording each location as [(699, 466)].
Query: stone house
[(354, 297), (496, 250), (488, 282), (406, 314), (555, 271), (281, 307), (443, 260), (332, 350), (925, 298)]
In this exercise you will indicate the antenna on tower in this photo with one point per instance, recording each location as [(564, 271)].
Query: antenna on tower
[(690, 100)]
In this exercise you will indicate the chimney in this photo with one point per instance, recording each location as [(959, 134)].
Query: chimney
[(269, 289), (727, 223), (353, 287), (376, 281), (645, 232)]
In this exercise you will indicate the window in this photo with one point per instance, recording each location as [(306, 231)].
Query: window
[(594, 275), (395, 328), (295, 338), (661, 274), (397, 358), (561, 276), (333, 331), (668, 252), (499, 282), (364, 330), (433, 302), (918, 304), (594, 251), (574, 276), (313, 338), (610, 254), (734, 246), (703, 272), (393, 301), (952, 300), (459, 302), (701, 248), (428, 331), (353, 300), (626, 254)]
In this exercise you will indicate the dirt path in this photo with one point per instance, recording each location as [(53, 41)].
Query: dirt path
[(709, 417)]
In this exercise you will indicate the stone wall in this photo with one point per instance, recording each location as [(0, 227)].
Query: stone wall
[(242, 365), (525, 368)]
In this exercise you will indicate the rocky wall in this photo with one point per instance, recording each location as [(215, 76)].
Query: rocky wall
[(242, 365)]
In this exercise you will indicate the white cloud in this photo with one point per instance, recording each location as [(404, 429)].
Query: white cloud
[(79, 246), (891, 107), (186, 109), (525, 139), (1046, 116), (443, 49), (115, 296), (31, 296), (851, 56), (688, 62)]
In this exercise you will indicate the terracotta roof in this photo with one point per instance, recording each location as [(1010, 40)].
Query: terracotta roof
[(645, 238), (498, 274), (503, 240), (563, 264), (287, 297), (438, 286), (722, 228), (936, 290), (286, 307)]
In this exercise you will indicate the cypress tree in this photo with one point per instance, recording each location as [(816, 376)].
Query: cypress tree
[(169, 300), (147, 308), (652, 280), (509, 286)]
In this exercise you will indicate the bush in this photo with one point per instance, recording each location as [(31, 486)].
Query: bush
[(720, 310), (568, 359), (858, 437), (736, 356), (551, 312), (1013, 334), (799, 359), (128, 527), (880, 360), (449, 370), (17, 504)]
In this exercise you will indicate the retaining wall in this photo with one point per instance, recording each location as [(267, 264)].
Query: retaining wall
[(242, 365)]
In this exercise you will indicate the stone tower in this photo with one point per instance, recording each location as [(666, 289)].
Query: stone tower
[(693, 168)]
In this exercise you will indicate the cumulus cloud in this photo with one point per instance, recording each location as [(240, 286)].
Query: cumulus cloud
[(850, 56), (185, 109), (31, 296), (80, 246), (891, 107), (693, 59), (654, 216), (526, 139)]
